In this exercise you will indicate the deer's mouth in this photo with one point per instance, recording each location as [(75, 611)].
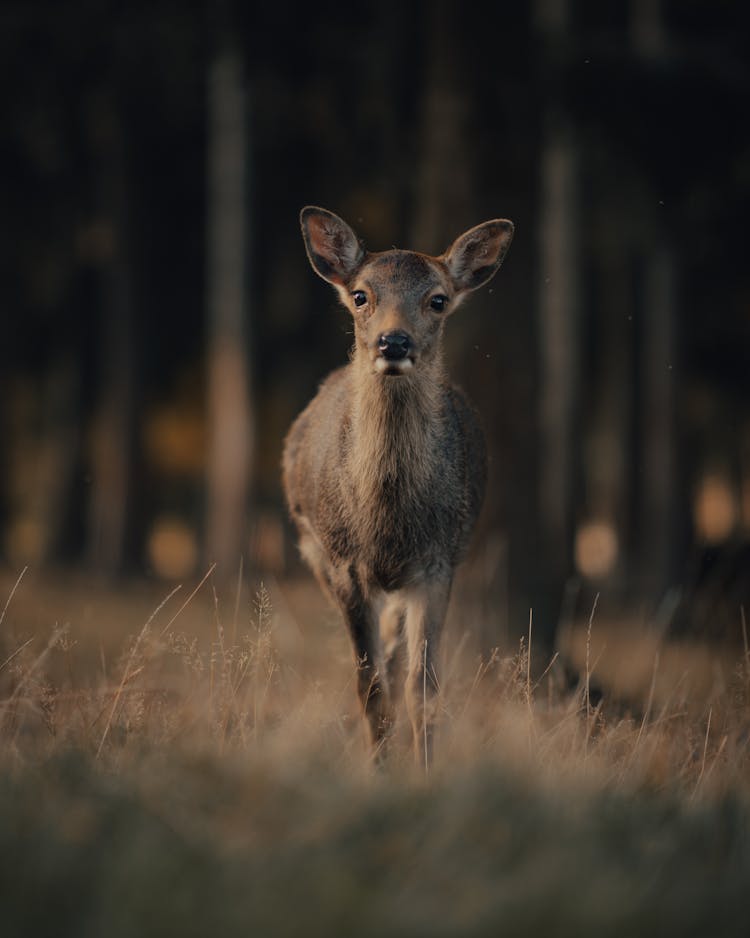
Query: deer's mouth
[(393, 368)]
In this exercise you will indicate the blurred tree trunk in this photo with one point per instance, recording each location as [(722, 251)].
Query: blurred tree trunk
[(230, 418), (659, 486), (111, 518), (559, 325), (59, 454), (559, 337), (443, 196), (609, 488), (662, 516), (646, 27)]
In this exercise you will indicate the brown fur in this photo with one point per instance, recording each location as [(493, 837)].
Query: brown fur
[(385, 469)]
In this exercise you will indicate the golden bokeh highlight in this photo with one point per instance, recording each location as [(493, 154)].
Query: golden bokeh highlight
[(714, 509), (596, 549), (172, 548)]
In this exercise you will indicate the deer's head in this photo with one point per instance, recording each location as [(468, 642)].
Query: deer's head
[(400, 299)]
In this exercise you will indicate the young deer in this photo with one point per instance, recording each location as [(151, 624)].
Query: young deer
[(385, 470)]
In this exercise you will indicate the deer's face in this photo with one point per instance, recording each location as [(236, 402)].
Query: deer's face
[(400, 299)]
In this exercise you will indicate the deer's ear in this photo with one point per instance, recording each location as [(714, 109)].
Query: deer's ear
[(476, 255), (334, 250)]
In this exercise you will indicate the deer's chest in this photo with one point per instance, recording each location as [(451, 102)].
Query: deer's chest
[(402, 531)]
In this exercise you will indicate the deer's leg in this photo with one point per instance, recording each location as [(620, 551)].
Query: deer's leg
[(362, 622), (425, 615), (312, 552), (392, 620)]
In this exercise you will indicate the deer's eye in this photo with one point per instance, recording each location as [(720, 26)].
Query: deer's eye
[(359, 297), (438, 303)]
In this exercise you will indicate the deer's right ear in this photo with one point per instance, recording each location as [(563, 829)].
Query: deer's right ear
[(334, 250)]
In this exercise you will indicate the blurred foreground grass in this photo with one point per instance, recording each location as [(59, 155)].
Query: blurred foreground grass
[(200, 768)]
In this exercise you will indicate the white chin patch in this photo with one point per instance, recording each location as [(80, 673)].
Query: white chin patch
[(385, 367)]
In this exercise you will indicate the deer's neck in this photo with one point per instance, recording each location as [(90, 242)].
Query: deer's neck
[(396, 425)]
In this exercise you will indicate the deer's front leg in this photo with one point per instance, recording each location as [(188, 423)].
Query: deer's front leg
[(425, 614), (392, 632), (362, 622)]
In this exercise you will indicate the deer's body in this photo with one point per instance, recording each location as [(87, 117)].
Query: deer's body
[(385, 469), (396, 490)]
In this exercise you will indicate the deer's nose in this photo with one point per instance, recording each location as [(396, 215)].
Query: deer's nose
[(394, 345)]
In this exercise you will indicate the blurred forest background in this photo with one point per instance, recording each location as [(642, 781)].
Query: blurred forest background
[(162, 327)]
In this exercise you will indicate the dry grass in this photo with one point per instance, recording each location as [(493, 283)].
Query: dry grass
[(195, 764)]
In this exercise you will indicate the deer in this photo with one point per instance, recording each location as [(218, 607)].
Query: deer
[(385, 470)]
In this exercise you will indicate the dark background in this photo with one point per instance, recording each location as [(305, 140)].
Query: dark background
[(161, 326)]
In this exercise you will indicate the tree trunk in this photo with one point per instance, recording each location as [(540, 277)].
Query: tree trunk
[(230, 420), (111, 518), (443, 185), (659, 482), (609, 485), (559, 338), (558, 319)]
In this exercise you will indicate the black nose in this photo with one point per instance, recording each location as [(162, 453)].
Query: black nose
[(394, 345)]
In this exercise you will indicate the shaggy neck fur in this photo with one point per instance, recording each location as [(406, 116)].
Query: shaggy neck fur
[(396, 424)]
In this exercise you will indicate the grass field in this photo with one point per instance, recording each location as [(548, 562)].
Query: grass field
[(194, 764)]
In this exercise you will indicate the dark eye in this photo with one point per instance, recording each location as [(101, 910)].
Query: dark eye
[(359, 297), (438, 303)]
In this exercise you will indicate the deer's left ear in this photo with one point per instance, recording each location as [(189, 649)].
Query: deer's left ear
[(475, 256)]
